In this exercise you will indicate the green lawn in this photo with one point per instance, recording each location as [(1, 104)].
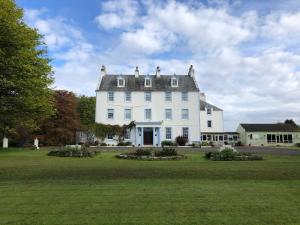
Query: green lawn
[(38, 189)]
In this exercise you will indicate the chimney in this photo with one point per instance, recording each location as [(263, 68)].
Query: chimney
[(136, 72), (191, 71), (202, 96), (103, 70), (157, 73)]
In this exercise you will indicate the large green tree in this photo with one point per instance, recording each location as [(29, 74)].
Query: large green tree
[(86, 110), (25, 72)]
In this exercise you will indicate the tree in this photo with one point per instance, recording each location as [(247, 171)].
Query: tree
[(61, 128), (25, 72), (86, 110), (290, 121)]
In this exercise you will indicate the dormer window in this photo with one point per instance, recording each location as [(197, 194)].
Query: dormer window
[(147, 82), (121, 82), (174, 82)]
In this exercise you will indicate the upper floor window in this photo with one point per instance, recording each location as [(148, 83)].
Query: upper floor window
[(148, 96), (209, 123), (148, 114), (168, 96), (110, 96), (184, 96), (147, 82), (168, 114), (127, 96), (185, 114), (127, 114), (110, 114), (208, 111), (168, 133), (185, 132), (121, 82), (174, 82)]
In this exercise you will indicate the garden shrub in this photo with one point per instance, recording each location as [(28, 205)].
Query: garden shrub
[(297, 145), (166, 143), (205, 143), (229, 154), (181, 141), (126, 143), (103, 144), (72, 152), (142, 152), (166, 152)]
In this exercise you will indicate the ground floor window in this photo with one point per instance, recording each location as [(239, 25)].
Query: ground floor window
[(127, 134), (221, 138), (110, 136), (185, 132), (279, 138), (168, 133), (204, 137)]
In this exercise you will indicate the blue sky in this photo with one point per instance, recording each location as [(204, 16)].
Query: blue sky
[(246, 53)]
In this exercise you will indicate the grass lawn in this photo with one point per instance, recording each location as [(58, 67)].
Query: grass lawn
[(38, 189)]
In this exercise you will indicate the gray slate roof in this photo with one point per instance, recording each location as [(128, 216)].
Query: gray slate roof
[(204, 105), (276, 127), (162, 83)]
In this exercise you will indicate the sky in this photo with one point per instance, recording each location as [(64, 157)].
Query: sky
[(246, 54)]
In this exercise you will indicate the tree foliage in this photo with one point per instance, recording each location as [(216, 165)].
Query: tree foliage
[(102, 130), (61, 128), (25, 72), (86, 110)]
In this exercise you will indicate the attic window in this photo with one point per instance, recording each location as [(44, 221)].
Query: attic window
[(121, 82), (147, 82), (174, 82)]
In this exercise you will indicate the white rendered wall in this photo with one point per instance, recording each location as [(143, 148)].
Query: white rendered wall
[(217, 121), (157, 105)]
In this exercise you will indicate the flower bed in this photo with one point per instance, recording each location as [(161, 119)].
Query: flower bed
[(72, 152), (229, 154), (149, 154)]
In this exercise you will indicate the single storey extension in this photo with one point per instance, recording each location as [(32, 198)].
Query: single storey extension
[(279, 134)]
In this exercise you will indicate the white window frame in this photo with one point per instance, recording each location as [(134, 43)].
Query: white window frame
[(209, 122), (184, 114), (174, 84), (184, 96), (183, 132), (146, 82), (168, 96), (125, 113), (168, 111), (110, 96), (208, 111), (150, 96), (168, 136), (110, 111), (121, 80), (128, 93), (149, 110)]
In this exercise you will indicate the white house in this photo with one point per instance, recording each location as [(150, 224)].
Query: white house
[(161, 106)]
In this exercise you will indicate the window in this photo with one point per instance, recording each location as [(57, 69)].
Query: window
[(250, 136), (168, 96), (184, 96), (271, 138), (127, 114), (209, 123), (110, 114), (148, 96), (185, 132), (110, 136), (221, 138), (128, 96), (148, 114), (174, 82), (127, 134), (290, 138), (204, 137), (185, 114), (147, 82), (168, 114), (121, 82), (168, 133), (110, 96), (208, 111)]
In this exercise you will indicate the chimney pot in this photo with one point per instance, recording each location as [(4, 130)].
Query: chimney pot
[(136, 72), (157, 71), (103, 70), (191, 71)]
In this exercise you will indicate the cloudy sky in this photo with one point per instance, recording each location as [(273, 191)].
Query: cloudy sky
[(246, 53)]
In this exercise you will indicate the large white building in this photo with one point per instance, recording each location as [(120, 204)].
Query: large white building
[(161, 106)]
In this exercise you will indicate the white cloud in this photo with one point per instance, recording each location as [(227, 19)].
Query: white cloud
[(118, 14)]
